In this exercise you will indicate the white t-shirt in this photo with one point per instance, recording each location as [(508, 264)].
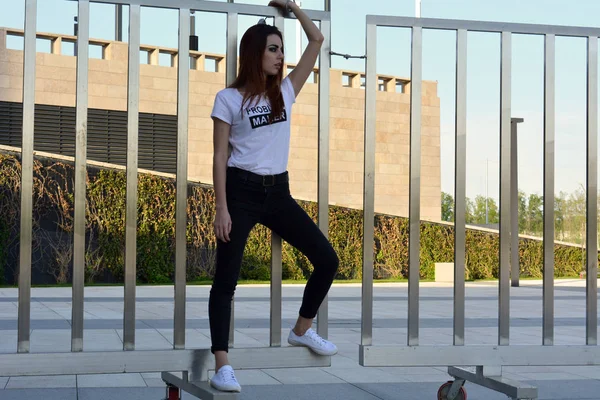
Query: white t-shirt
[(256, 145)]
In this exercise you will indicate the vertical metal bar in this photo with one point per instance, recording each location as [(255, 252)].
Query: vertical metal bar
[(230, 75), (276, 282), (27, 176), (514, 206), (83, 17), (327, 5), (505, 136), (276, 263), (323, 177), (133, 108), (549, 135), (183, 81), (232, 50), (119, 22), (369, 185), (414, 205), (592, 195), (460, 187)]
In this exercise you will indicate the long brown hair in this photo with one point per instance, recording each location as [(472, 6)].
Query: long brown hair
[(251, 76)]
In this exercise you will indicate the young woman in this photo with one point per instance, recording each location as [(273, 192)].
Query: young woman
[(252, 119)]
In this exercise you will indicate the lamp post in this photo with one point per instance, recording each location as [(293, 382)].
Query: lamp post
[(487, 186), (193, 41), (75, 30)]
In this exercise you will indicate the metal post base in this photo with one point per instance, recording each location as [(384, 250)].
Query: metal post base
[(513, 389), (173, 393), (201, 389), (194, 376)]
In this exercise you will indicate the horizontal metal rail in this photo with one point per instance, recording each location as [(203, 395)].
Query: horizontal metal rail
[(215, 6), (138, 361), (481, 26), (515, 355)]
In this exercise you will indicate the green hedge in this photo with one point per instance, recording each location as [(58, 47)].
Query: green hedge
[(156, 233)]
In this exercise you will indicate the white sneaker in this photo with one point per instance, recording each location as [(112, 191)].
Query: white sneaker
[(224, 380), (313, 341)]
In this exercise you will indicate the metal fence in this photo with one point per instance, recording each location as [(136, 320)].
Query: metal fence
[(195, 363), (488, 360), (180, 359)]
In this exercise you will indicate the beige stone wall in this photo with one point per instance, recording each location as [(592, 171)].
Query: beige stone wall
[(55, 85)]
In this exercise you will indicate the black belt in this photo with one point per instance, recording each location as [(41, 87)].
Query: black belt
[(264, 180)]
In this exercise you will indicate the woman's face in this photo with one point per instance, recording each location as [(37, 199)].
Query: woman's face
[(273, 56)]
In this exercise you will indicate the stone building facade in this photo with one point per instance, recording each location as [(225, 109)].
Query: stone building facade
[(55, 85)]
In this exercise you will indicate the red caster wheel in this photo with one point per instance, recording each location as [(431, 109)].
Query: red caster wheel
[(445, 388), (173, 393)]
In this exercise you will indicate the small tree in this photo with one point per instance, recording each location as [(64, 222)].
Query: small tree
[(447, 207), (535, 214)]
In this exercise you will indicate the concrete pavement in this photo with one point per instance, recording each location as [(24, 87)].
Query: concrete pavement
[(345, 379)]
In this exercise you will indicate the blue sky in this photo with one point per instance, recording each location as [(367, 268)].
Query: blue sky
[(159, 27)]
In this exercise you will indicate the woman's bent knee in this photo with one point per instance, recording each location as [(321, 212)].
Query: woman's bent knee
[(222, 291), (331, 261)]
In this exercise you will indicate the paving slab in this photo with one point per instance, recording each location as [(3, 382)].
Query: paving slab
[(36, 394), (366, 375), (314, 391), (563, 390), (101, 340), (41, 382), (302, 375), (110, 380), (123, 393)]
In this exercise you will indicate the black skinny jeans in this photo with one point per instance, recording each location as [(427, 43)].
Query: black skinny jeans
[(250, 203)]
